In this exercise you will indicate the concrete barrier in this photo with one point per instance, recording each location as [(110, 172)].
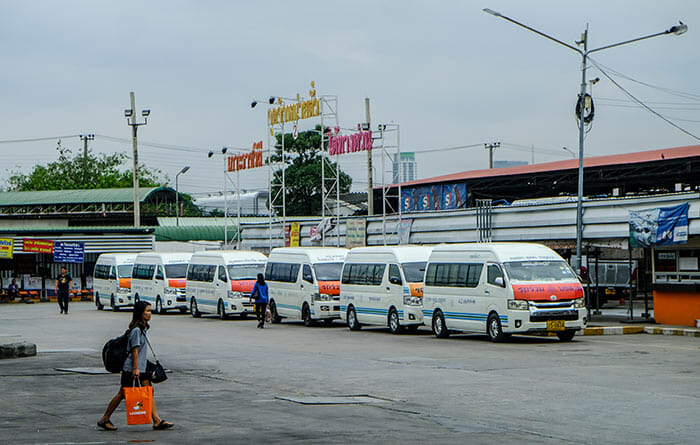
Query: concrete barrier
[(16, 350)]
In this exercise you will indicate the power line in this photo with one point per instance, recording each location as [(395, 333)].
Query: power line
[(51, 138)]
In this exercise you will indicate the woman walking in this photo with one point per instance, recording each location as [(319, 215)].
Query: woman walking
[(135, 367), (261, 297)]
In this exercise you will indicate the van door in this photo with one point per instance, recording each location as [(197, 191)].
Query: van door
[(307, 288), (496, 293), (394, 291), (158, 284), (222, 286)]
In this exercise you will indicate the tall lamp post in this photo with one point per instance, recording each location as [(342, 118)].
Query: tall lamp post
[(568, 150), (177, 195), (130, 116), (209, 155), (584, 53)]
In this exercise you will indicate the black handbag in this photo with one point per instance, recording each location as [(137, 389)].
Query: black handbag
[(156, 370)]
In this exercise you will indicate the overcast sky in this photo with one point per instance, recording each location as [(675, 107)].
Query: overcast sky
[(446, 72)]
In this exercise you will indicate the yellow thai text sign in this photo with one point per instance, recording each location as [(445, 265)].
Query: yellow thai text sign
[(294, 235), (37, 245), (6, 246)]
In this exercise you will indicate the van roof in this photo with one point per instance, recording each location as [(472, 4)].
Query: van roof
[(503, 251), (230, 256), (313, 254), (401, 253), (124, 258), (164, 256)]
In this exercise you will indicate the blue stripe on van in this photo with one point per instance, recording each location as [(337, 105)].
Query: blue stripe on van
[(288, 306), (466, 316), (372, 311)]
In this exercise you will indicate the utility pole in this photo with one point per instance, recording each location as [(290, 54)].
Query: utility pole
[(490, 148), (85, 138), (370, 193), (130, 115)]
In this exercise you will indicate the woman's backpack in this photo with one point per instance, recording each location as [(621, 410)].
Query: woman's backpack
[(114, 352)]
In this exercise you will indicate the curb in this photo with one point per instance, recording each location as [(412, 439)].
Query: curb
[(17, 350), (612, 330), (689, 332)]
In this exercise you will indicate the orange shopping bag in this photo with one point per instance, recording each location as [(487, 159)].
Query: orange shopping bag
[(139, 401)]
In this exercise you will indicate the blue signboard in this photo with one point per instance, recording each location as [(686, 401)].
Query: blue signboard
[(68, 252), (661, 226), (433, 197)]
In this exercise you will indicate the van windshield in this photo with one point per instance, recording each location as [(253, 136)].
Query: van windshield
[(328, 271), (124, 270), (176, 270), (539, 271), (245, 271), (414, 272)]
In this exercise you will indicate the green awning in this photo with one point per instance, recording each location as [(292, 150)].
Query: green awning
[(194, 233)]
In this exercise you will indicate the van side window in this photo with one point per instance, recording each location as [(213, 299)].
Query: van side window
[(159, 273), (371, 274), (453, 274), (394, 274), (222, 274), (113, 273), (493, 272), (284, 272), (307, 275)]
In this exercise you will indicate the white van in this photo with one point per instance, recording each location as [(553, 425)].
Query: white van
[(304, 283), (112, 280), (159, 278), (384, 286), (502, 289), (220, 282)]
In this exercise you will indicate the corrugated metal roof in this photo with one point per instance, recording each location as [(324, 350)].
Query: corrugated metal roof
[(87, 229), (49, 197), (194, 233), (571, 164), (171, 221)]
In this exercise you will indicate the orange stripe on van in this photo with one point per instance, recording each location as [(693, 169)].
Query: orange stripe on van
[(329, 287), (548, 292), (177, 283), (125, 282), (416, 289), (242, 285)]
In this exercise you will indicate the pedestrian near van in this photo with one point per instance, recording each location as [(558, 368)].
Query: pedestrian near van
[(261, 297), (13, 290), (64, 282), (135, 367)]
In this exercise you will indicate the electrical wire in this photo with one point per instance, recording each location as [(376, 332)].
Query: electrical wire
[(642, 103), (51, 138)]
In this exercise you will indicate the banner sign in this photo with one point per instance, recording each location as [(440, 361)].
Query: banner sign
[(338, 145), (355, 233), (659, 227), (69, 252), (6, 246), (294, 235), (295, 111), (37, 245), (433, 197), (247, 160)]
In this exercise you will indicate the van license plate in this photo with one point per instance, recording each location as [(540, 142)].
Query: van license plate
[(555, 325), (610, 291)]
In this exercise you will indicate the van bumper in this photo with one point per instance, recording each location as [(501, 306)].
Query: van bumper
[(123, 300), (412, 315), (325, 310), (521, 322), (239, 306)]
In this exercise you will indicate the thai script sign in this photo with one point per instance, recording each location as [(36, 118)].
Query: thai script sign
[(6, 246), (37, 245), (433, 197), (69, 252), (338, 145), (294, 112), (247, 160), (660, 226), (355, 233), (294, 235)]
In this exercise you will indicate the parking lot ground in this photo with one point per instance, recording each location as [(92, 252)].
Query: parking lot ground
[(231, 382)]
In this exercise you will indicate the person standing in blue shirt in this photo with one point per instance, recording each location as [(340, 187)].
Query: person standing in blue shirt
[(261, 296)]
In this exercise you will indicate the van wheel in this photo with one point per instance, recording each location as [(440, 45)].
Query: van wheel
[(494, 329), (220, 311), (273, 310), (306, 316), (394, 324), (439, 327), (353, 324), (193, 309), (159, 306), (99, 305), (566, 335), (113, 303)]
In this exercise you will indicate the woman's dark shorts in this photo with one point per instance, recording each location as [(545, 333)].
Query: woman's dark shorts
[(127, 380)]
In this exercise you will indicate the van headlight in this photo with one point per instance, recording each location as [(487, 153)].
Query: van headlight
[(234, 294), (412, 301), (170, 290), (322, 297), (518, 305), (579, 303)]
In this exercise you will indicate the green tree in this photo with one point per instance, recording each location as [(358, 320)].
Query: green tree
[(303, 173), (70, 172)]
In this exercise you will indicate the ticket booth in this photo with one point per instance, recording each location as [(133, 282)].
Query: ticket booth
[(676, 284)]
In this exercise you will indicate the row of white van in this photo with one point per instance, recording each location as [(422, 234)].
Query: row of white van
[(497, 288)]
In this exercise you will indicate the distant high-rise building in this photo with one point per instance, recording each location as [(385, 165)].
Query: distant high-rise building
[(408, 166), (501, 164)]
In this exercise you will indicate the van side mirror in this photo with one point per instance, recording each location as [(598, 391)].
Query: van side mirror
[(395, 280), (498, 281)]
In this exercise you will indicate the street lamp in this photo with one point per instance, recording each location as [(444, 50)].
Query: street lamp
[(130, 116), (209, 155), (177, 195), (676, 29), (573, 155)]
